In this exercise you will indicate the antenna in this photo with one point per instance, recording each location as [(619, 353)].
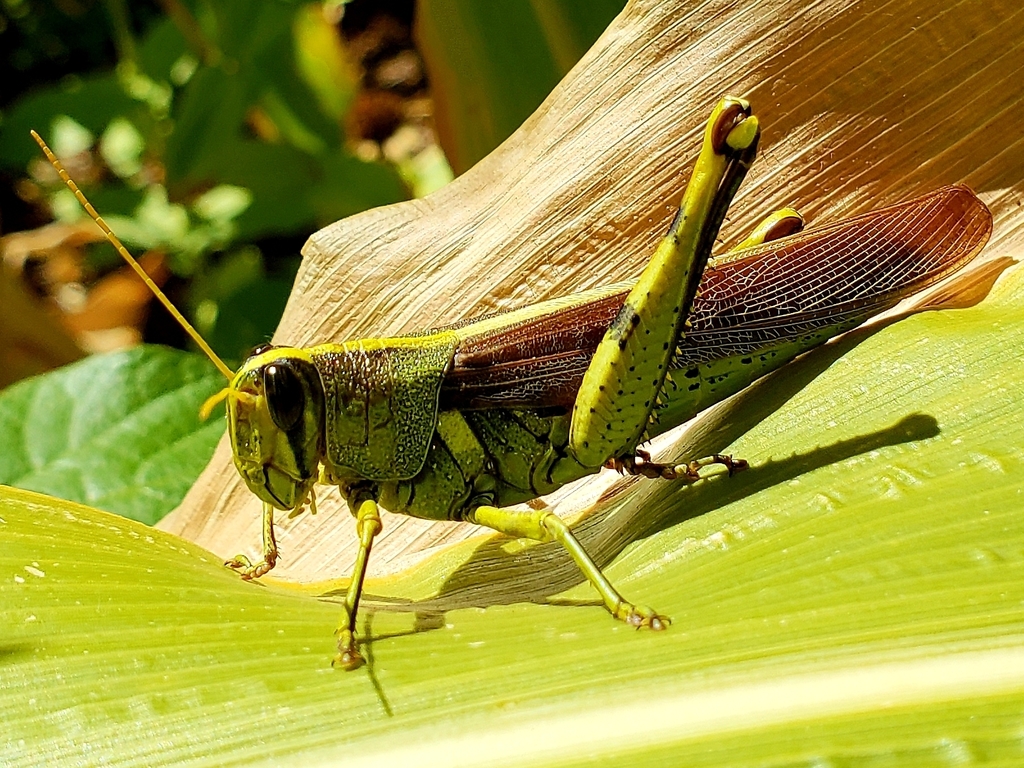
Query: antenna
[(228, 373)]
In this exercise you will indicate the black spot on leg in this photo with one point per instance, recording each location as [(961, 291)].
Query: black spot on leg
[(675, 223), (623, 325)]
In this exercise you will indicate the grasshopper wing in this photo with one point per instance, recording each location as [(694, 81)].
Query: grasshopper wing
[(757, 308)]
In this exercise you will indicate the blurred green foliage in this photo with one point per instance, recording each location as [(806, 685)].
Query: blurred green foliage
[(220, 130), (92, 431)]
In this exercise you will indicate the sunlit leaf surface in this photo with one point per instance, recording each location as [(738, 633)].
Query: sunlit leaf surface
[(857, 596)]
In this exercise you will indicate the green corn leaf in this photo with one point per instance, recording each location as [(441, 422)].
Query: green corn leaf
[(856, 598)]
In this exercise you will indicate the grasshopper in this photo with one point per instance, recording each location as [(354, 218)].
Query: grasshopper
[(464, 421)]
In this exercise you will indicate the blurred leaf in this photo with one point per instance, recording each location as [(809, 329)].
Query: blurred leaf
[(248, 314), (260, 58), (277, 103), (570, 27), (207, 119), (322, 61), (238, 303), (347, 185), (117, 431), (161, 50), (245, 30), (117, 198), (492, 64), (65, 207), (278, 176), (229, 274), (155, 223), (121, 147), (69, 136), (92, 101), (222, 203), (292, 103)]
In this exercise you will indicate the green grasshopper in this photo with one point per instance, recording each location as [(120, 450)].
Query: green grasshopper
[(461, 422)]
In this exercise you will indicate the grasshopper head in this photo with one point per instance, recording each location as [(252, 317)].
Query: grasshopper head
[(275, 402), (275, 406)]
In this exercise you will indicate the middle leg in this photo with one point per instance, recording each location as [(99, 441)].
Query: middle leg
[(545, 525)]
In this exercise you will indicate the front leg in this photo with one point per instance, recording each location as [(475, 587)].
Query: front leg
[(249, 570), (368, 525)]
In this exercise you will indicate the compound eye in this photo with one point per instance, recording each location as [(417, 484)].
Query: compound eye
[(286, 397)]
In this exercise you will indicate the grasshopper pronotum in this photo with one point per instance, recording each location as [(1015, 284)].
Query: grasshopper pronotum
[(462, 422)]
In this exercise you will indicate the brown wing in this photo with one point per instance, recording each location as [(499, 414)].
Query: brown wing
[(535, 363), (836, 275)]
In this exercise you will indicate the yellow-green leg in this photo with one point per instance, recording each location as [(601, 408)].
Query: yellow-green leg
[(621, 387), (368, 525), (544, 525), (249, 570), (783, 223)]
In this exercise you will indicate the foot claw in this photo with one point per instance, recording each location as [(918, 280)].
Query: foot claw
[(348, 657), (247, 569), (731, 465), (736, 465), (640, 616), (348, 660), (641, 464)]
